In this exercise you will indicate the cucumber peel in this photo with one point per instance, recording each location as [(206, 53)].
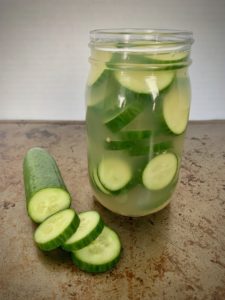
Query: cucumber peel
[(46, 192)]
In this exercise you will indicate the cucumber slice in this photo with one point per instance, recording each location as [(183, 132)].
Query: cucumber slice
[(165, 58), (135, 134), (117, 145), (160, 171), (45, 189), (101, 255), (95, 94), (122, 118), (97, 69), (143, 149), (56, 229), (98, 183), (176, 106), (114, 173), (91, 225), (47, 202), (145, 82)]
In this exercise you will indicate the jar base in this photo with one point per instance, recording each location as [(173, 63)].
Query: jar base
[(141, 214)]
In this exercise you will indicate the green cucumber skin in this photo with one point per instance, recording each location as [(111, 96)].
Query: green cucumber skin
[(95, 184), (139, 150), (106, 74), (130, 112), (134, 59), (135, 134), (65, 235), (117, 145), (86, 240), (40, 171), (95, 268)]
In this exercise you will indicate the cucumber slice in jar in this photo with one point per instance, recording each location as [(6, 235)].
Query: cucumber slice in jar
[(98, 183), (45, 189), (176, 106), (100, 255), (56, 229), (117, 145), (160, 171), (143, 149), (135, 134), (114, 173), (98, 67), (91, 225), (115, 122), (145, 82), (164, 58)]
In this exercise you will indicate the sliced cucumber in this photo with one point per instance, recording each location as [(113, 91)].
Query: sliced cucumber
[(101, 255), (91, 225), (45, 189), (95, 94), (98, 183), (98, 68), (119, 120), (145, 82), (135, 134), (114, 173), (162, 147), (160, 171), (164, 58), (117, 145), (176, 106), (143, 149), (47, 202), (56, 229)]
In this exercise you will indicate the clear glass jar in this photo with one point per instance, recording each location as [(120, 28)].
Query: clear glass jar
[(138, 102)]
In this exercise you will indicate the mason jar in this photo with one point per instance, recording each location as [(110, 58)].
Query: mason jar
[(137, 110)]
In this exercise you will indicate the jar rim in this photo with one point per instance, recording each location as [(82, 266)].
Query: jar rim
[(142, 34)]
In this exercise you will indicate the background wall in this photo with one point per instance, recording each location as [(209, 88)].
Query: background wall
[(43, 51)]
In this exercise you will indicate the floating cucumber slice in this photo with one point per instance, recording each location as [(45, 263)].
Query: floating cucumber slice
[(145, 81), (143, 149), (114, 173), (98, 183), (56, 229), (164, 58), (122, 118), (100, 255), (91, 225), (98, 68), (160, 171), (134, 135), (176, 106), (96, 93), (130, 138), (117, 145)]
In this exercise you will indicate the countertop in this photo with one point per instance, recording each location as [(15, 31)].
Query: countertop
[(177, 253)]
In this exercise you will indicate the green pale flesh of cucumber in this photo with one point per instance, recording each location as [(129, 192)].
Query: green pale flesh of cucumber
[(91, 225), (160, 171), (100, 255), (46, 202), (55, 230)]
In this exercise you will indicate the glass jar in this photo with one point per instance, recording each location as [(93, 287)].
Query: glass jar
[(138, 102)]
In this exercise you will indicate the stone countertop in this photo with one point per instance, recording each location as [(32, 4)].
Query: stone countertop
[(177, 253)]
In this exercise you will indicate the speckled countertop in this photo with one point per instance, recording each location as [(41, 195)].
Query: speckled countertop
[(178, 253)]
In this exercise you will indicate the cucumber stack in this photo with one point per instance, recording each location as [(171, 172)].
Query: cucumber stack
[(93, 245), (142, 116)]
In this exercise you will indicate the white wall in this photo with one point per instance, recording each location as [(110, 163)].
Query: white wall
[(43, 51)]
